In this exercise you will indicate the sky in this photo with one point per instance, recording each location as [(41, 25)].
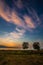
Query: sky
[(21, 20)]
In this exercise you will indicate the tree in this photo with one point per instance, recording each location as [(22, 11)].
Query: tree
[(36, 45), (25, 45)]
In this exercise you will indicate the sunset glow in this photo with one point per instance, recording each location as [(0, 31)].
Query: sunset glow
[(20, 20)]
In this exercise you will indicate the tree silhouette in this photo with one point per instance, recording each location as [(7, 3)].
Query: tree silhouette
[(36, 45), (25, 45)]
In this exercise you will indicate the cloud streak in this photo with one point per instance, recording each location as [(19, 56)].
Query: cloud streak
[(14, 18), (14, 36), (18, 3), (28, 23), (34, 16), (11, 39), (17, 35)]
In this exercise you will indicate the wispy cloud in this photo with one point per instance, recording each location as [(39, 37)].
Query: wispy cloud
[(13, 36), (18, 3), (41, 17), (11, 39), (34, 16), (14, 18), (17, 34), (27, 23)]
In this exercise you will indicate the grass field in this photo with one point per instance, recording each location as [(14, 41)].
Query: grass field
[(21, 57)]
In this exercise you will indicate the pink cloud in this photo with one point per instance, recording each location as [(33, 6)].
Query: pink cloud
[(13, 17), (29, 21), (16, 19), (3, 14)]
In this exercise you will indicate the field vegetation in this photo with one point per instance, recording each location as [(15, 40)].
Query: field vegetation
[(21, 57)]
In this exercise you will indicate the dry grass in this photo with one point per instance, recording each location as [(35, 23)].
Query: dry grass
[(20, 57)]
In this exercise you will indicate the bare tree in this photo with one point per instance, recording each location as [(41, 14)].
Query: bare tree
[(36, 45), (25, 45)]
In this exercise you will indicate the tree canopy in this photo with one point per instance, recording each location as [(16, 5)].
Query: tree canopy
[(25, 45)]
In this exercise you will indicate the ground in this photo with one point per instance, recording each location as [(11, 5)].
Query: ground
[(21, 57)]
